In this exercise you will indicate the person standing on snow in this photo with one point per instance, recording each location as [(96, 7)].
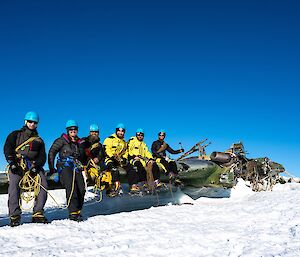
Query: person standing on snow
[(70, 168), (24, 150), (159, 148), (115, 148), (141, 161)]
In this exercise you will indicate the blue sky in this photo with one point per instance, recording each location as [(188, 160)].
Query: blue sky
[(223, 70)]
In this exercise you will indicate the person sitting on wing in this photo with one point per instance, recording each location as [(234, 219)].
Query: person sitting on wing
[(115, 149), (159, 148), (143, 167), (94, 159)]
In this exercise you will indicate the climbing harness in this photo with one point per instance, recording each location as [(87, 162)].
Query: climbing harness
[(76, 166)]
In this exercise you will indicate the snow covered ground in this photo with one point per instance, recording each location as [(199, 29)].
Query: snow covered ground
[(246, 224)]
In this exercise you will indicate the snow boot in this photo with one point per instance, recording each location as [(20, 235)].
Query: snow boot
[(175, 180), (116, 190), (145, 188), (75, 216), (15, 220), (38, 217), (158, 184), (135, 190)]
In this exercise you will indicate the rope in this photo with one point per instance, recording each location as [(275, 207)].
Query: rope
[(291, 176), (29, 189), (31, 139), (98, 188), (73, 186), (150, 179), (29, 184)]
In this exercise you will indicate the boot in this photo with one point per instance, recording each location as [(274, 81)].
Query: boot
[(38, 217), (145, 187), (158, 184), (116, 190), (134, 189), (15, 220), (75, 216), (174, 179)]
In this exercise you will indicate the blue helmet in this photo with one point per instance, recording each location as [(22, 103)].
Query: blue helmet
[(71, 123), (94, 128), (32, 116), (120, 126), (162, 131), (140, 130)]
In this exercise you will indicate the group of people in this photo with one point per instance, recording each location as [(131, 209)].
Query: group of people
[(25, 153)]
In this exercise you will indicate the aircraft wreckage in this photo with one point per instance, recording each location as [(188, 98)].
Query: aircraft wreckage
[(214, 175)]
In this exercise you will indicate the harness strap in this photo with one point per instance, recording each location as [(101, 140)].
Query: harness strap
[(163, 147), (31, 139), (95, 145)]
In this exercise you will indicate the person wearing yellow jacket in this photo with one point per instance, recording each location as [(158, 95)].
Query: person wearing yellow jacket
[(142, 165), (115, 148)]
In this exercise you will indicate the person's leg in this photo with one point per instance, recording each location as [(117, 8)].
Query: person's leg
[(14, 195)]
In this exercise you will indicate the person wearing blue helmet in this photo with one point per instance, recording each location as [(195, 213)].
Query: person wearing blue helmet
[(94, 153), (143, 168), (115, 148), (70, 168), (159, 149), (21, 147)]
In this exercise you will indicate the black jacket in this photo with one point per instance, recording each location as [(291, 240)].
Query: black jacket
[(66, 148), (156, 146), (34, 151), (92, 148)]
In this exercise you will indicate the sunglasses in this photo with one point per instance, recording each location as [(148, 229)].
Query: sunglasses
[(31, 121), (95, 132), (73, 130), (162, 135), (140, 134), (121, 130)]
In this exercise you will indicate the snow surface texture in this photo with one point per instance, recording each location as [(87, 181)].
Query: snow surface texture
[(246, 224)]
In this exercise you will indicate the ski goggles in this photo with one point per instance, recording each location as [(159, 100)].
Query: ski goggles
[(32, 121)]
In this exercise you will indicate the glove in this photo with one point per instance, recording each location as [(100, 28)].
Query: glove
[(33, 172), (55, 177), (182, 150), (124, 162), (14, 168), (150, 161)]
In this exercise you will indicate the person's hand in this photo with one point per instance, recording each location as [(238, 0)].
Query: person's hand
[(33, 172), (150, 161), (182, 150), (136, 158), (55, 177), (96, 160), (14, 168), (124, 162)]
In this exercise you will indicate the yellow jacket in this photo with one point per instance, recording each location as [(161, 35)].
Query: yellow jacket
[(138, 148), (115, 146)]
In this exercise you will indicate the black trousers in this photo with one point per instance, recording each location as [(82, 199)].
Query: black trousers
[(74, 191), (170, 166), (137, 173), (113, 168)]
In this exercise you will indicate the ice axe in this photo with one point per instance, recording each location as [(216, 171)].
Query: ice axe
[(181, 148)]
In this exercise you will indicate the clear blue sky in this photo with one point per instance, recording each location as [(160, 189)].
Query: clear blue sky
[(223, 70)]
